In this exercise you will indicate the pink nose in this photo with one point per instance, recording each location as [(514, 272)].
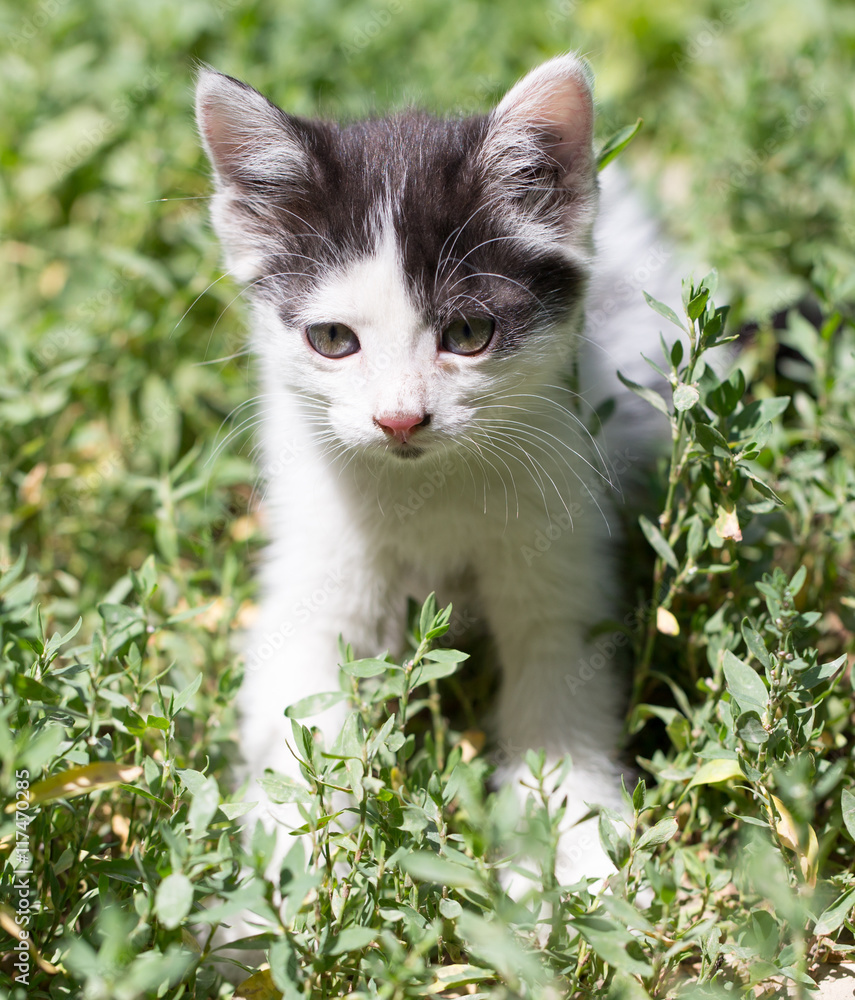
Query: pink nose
[(402, 425)]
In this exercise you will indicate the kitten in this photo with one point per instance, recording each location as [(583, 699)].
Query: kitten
[(419, 291)]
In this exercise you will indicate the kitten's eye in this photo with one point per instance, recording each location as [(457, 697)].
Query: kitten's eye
[(332, 340), (469, 335)]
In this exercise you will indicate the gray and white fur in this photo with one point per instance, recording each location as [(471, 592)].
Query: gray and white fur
[(397, 464)]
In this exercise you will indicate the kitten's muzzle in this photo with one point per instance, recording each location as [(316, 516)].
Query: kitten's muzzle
[(402, 426)]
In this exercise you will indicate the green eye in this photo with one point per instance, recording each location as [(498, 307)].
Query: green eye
[(332, 340), (469, 335)]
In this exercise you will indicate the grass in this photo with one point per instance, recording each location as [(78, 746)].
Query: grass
[(128, 506)]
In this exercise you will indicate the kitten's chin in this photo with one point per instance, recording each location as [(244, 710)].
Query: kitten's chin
[(405, 452)]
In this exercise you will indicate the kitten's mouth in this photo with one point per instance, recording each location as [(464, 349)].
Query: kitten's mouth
[(406, 451)]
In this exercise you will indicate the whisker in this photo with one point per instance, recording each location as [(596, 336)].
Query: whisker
[(554, 437)]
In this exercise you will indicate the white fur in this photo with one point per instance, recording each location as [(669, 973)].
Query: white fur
[(353, 538), (508, 512)]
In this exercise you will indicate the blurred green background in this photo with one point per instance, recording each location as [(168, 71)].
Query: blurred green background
[(114, 325)]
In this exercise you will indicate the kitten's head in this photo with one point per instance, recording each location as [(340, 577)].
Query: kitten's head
[(408, 273)]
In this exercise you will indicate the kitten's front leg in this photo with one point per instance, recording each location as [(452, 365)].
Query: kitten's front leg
[(293, 654), (558, 693)]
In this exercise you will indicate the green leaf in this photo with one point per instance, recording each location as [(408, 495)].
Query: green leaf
[(697, 305), (379, 738), (659, 371), (427, 616), (649, 395), (658, 542), (696, 538), (173, 900), (685, 396), (624, 987), (446, 656), (428, 867), (425, 672), (450, 908), (370, 667), (833, 917), (661, 833), (814, 676), (395, 741), (744, 683), (798, 580), (755, 414), (192, 780), (724, 399), (613, 840), (612, 943), (183, 697), (350, 939), (497, 945), (350, 737), (280, 788), (750, 729), (710, 281), (711, 440), (762, 487), (303, 741), (847, 804), (143, 794), (714, 326), (664, 310), (626, 913), (714, 771), (204, 804), (33, 690), (58, 640), (233, 810), (617, 143), (259, 986), (314, 704)]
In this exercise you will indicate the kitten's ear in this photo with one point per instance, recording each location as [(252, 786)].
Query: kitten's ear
[(247, 138), (257, 152), (541, 134)]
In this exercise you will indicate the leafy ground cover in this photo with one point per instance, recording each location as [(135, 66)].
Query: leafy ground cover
[(129, 525)]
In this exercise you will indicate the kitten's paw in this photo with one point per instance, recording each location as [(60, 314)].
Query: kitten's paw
[(580, 854)]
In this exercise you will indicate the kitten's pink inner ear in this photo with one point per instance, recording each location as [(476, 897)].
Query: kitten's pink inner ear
[(243, 132), (555, 101), (220, 132)]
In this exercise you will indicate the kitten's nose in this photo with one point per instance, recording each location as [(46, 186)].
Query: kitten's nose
[(401, 425)]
